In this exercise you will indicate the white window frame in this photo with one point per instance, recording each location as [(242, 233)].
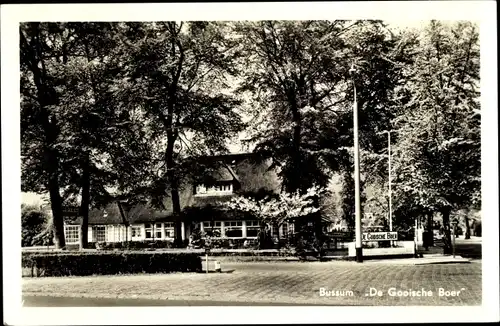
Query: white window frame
[(95, 233), (158, 231), (284, 227), (169, 228), (116, 233), (253, 225), (207, 226), (136, 231), (233, 225), (219, 189), (149, 227), (289, 227), (71, 233)]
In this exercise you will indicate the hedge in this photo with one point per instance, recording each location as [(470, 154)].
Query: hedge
[(125, 245), (108, 263), (252, 253)]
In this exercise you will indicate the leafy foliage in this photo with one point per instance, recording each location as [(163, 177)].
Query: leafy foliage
[(34, 222), (176, 75), (73, 132), (293, 77), (275, 211), (438, 151), (130, 109), (437, 155)]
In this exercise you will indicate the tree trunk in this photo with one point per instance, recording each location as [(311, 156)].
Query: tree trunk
[(430, 229), (295, 184), (447, 249), (84, 208), (178, 223), (174, 190), (277, 228), (172, 133), (51, 168), (294, 180), (467, 227)]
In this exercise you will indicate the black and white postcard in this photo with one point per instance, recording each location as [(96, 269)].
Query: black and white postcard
[(197, 163)]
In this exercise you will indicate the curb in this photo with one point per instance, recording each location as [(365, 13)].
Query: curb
[(423, 261), (459, 260)]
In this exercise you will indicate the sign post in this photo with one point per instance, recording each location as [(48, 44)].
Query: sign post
[(207, 250)]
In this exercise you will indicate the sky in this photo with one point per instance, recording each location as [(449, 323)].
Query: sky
[(31, 198)]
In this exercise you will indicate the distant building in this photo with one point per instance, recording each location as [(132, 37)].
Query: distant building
[(234, 174)]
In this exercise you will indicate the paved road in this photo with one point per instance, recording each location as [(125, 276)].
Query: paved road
[(48, 301), (280, 282)]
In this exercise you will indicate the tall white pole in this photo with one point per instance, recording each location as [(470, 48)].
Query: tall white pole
[(357, 201), (390, 189)]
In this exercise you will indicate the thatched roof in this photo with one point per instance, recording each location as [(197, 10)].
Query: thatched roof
[(225, 173), (111, 214), (247, 170), (145, 212), (202, 201)]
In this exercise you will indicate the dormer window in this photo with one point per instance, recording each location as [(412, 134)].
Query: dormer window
[(214, 190)]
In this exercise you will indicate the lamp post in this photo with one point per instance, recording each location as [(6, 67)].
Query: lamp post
[(388, 132), (357, 200), (390, 188)]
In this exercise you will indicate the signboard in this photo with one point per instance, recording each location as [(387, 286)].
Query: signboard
[(380, 236)]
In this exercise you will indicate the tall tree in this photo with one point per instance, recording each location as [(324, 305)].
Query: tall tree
[(378, 56), (105, 137), (302, 95), (177, 74), (294, 78), (438, 152), (81, 61), (40, 126)]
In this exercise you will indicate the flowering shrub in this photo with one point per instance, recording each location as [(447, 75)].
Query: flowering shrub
[(273, 212)]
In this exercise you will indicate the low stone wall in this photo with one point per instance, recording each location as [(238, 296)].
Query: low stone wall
[(402, 248)]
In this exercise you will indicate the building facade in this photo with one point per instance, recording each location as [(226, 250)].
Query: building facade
[(233, 175)]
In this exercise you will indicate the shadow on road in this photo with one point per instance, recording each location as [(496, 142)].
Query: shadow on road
[(464, 248)]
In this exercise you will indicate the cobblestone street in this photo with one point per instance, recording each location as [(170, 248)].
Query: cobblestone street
[(343, 283)]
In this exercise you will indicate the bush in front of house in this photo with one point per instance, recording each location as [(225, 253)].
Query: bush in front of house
[(36, 229), (108, 263)]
